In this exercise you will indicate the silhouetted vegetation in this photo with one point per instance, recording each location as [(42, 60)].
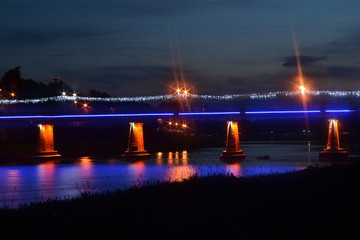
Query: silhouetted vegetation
[(12, 82)]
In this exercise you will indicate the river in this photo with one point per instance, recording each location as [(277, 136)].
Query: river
[(23, 184)]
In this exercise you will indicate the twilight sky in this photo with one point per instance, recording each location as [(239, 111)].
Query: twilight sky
[(128, 47)]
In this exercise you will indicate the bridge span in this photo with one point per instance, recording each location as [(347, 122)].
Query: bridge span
[(46, 123), (233, 114)]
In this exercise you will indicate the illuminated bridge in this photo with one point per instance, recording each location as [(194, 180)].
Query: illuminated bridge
[(249, 109)]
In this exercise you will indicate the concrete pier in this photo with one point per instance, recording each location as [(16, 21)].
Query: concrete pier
[(135, 147), (45, 146), (233, 152), (333, 152)]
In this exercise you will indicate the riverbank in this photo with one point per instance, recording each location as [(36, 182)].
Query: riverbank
[(316, 202)]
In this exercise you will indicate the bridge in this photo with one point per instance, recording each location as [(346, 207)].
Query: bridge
[(136, 149)]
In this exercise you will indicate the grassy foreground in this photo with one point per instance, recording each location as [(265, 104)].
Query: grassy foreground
[(316, 202)]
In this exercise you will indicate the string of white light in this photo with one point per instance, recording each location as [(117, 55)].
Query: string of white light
[(268, 95)]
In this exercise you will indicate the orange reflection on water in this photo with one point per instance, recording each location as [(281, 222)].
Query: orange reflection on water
[(176, 157), (159, 158), (86, 165), (179, 173), (173, 158), (185, 158), (13, 173), (46, 177), (137, 170), (170, 158), (46, 171), (234, 168), (13, 177)]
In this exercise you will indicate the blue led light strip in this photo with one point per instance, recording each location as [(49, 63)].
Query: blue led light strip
[(207, 113), (168, 114), (339, 111), (281, 112), (88, 116)]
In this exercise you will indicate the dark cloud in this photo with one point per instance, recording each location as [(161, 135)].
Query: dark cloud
[(305, 60), (346, 45), (343, 72)]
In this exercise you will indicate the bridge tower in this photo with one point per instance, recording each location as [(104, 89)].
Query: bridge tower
[(233, 151), (333, 151), (45, 147), (136, 147)]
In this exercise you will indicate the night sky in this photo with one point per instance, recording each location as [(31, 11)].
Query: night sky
[(128, 47)]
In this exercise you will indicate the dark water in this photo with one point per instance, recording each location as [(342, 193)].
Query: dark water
[(31, 183)]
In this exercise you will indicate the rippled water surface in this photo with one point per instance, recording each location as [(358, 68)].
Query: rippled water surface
[(29, 183)]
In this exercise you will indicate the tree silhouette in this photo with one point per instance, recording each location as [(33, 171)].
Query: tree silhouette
[(28, 88)]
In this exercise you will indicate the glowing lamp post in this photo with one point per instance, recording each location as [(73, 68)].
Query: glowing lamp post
[(302, 89)]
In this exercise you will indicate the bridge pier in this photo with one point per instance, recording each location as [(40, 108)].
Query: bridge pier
[(135, 147), (233, 151), (45, 146), (333, 152)]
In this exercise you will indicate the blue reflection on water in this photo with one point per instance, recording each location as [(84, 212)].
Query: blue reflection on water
[(25, 184)]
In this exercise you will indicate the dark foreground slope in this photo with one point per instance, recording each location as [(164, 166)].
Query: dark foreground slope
[(317, 202)]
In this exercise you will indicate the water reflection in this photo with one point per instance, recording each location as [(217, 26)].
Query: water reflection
[(11, 187), (185, 159), (137, 172), (23, 184), (235, 169), (173, 158), (170, 158), (87, 165), (179, 173), (46, 180), (159, 157)]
